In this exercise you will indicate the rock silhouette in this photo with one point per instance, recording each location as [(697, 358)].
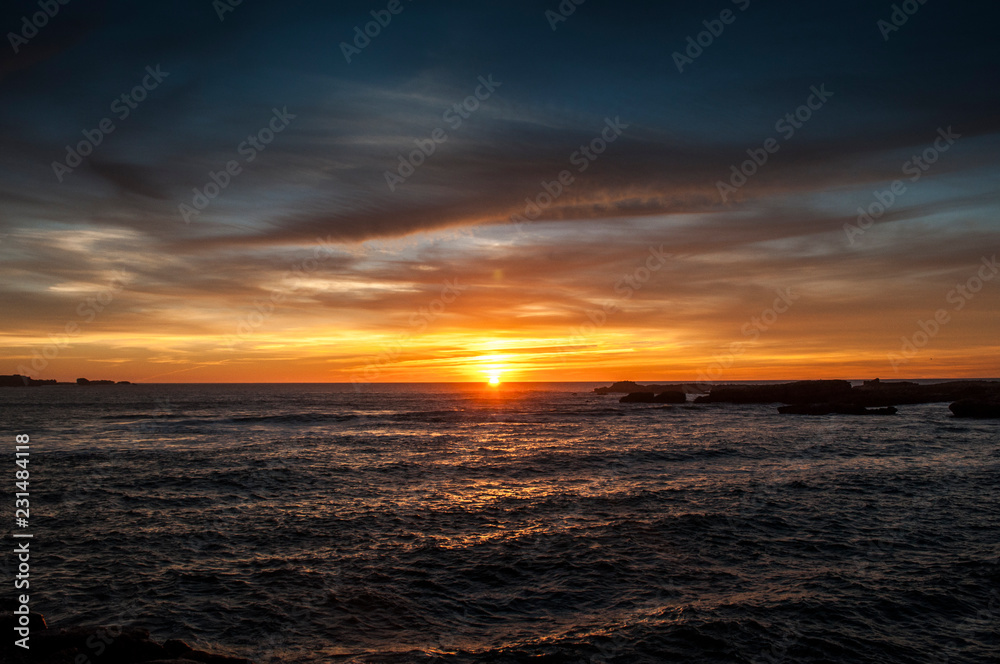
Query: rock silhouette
[(976, 408), (17, 380), (650, 397), (871, 394), (902, 393), (834, 409), (631, 387), (799, 392)]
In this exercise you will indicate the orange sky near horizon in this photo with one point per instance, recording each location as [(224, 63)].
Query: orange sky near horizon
[(598, 366), (499, 314)]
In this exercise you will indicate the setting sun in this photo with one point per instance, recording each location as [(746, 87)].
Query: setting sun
[(494, 380)]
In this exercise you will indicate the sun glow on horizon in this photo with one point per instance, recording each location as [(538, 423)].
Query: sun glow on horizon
[(494, 380)]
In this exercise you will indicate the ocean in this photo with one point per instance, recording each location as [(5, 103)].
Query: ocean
[(526, 523)]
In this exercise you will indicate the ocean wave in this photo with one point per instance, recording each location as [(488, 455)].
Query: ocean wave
[(555, 528), (294, 418)]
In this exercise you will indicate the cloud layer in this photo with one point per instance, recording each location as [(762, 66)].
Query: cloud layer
[(302, 263)]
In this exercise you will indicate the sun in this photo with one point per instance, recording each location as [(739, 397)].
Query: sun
[(494, 380)]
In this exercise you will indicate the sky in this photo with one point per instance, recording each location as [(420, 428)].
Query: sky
[(410, 190)]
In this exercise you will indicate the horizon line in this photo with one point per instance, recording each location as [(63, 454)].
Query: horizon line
[(511, 382)]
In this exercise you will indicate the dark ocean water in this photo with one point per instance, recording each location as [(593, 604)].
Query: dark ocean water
[(534, 523)]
